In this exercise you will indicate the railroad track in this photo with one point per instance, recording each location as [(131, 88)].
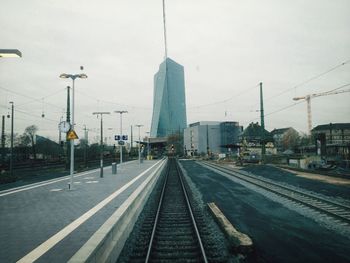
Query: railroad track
[(331, 208), (175, 236)]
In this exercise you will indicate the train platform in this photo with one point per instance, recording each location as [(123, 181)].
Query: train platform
[(47, 222)]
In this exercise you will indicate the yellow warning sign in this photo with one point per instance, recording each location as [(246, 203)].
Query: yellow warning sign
[(71, 135)]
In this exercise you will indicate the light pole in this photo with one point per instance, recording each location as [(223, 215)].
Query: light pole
[(11, 149), (148, 134), (121, 132), (101, 150), (139, 126), (10, 53), (73, 77)]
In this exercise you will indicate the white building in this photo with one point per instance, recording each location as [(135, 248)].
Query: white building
[(211, 137)]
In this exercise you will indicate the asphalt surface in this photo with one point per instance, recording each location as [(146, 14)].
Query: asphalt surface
[(279, 234), (31, 215), (291, 178)]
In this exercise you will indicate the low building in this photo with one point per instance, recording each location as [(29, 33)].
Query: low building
[(332, 139), (252, 138), (211, 137)]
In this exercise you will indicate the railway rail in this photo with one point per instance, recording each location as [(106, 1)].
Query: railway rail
[(175, 236), (323, 205)]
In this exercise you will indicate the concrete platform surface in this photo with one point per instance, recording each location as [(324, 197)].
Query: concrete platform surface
[(47, 222)]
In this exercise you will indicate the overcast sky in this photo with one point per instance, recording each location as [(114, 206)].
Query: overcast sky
[(226, 47)]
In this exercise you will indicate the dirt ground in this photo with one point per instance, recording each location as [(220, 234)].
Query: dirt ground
[(320, 177)]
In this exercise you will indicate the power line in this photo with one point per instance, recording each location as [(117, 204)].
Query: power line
[(31, 98), (309, 80), (112, 103), (295, 103), (226, 100)]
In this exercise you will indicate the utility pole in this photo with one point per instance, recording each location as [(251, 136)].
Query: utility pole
[(139, 126), (121, 132), (263, 149), (101, 149), (131, 138), (3, 140), (207, 140), (11, 150), (148, 140), (59, 133), (68, 121), (86, 131)]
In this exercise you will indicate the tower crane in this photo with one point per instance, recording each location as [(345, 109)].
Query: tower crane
[(308, 102)]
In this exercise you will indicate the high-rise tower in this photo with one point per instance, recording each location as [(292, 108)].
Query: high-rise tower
[(169, 103)]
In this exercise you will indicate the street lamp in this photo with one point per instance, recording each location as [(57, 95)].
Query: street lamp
[(121, 132), (101, 154), (10, 53), (139, 126), (73, 77), (11, 151)]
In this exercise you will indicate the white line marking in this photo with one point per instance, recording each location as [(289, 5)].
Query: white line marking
[(89, 177), (35, 185), (91, 182), (56, 190), (52, 241)]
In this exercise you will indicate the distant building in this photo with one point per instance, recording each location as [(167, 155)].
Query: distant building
[(333, 139), (229, 133), (284, 138), (169, 104), (252, 137), (207, 137)]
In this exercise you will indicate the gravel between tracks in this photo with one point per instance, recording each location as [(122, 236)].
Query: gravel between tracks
[(215, 244)]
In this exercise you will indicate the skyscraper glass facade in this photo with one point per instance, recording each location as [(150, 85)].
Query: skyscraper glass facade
[(169, 103)]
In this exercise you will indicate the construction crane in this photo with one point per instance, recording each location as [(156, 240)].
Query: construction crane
[(308, 102)]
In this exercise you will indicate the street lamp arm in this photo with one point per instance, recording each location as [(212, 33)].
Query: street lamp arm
[(64, 76), (73, 76)]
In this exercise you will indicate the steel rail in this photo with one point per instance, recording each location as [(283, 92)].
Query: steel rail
[(189, 209), (334, 209), (157, 216), (191, 213)]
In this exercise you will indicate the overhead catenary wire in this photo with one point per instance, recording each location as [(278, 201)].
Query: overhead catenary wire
[(32, 98), (111, 102), (294, 104), (308, 80), (226, 100)]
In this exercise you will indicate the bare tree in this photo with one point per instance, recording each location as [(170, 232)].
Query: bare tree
[(29, 136), (290, 139)]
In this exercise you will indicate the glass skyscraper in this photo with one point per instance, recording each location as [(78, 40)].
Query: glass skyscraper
[(169, 105)]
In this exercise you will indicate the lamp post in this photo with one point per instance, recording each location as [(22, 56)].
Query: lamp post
[(148, 134), (101, 150), (121, 132), (73, 77), (139, 126), (10, 53), (11, 149)]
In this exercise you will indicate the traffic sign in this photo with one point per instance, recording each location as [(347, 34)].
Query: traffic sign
[(117, 137), (121, 142), (71, 135), (124, 137)]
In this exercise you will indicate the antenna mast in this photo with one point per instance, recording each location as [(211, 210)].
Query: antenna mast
[(164, 24)]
